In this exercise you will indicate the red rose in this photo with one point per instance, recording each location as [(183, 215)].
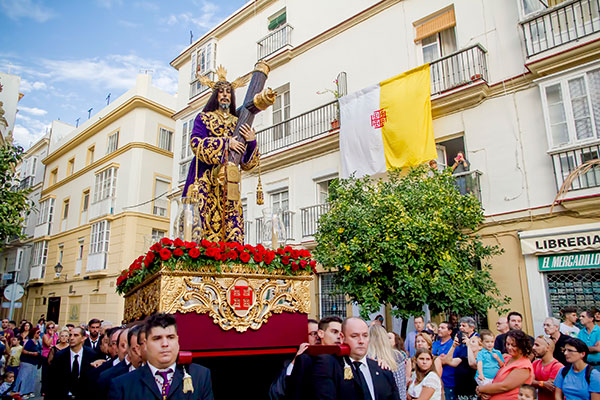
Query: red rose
[(178, 242), (248, 248), (149, 258), (244, 257), (210, 252), (205, 243), (260, 249), (165, 254), (288, 249), (232, 255), (166, 241), (285, 260), (178, 252), (314, 270), (304, 253), (295, 254), (303, 264), (156, 247), (312, 263), (258, 258), (295, 266), (120, 280), (194, 252), (280, 252)]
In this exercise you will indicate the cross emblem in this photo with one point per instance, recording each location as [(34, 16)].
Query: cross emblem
[(379, 118), (241, 297)]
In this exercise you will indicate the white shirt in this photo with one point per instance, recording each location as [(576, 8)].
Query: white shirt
[(158, 379), (364, 368), (116, 361), (94, 343), (572, 331), (432, 380), (80, 354)]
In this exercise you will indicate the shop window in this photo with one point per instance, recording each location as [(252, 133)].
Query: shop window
[(580, 289)]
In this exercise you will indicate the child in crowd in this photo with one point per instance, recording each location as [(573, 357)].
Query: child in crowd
[(489, 360), (6, 389), (527, 392), (14, 356)]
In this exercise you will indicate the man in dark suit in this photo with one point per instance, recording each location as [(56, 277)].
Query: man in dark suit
[(160, 377), (355, 376), (93, 340), (70, 369), (121, 368)]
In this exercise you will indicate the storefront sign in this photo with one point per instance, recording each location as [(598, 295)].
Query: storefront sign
[(569, 261), (581, 238)]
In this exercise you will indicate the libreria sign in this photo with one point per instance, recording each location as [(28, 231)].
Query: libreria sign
[(573, 241)]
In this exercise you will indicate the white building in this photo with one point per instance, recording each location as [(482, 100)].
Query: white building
[(9, 97), (514, 85)]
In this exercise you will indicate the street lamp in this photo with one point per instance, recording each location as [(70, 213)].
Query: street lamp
[(58, 269)]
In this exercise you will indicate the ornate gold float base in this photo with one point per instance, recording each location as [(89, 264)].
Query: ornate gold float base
[(240, 297)]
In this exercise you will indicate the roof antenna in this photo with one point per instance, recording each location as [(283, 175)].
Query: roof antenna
[(77, 122), (191, 37), (108, 99), (90, 112)]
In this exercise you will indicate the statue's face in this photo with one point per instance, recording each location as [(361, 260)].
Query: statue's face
[(224, 97)]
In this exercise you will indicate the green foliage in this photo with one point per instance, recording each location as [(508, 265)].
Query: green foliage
[(13, 202), (407, 241)]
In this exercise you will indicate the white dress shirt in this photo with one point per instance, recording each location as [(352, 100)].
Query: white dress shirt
[(79, 359), (158, 378), (364, 368), (94, 343)]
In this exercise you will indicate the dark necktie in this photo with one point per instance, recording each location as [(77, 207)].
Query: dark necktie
[(164, 392), (362, 380), (75, 368)]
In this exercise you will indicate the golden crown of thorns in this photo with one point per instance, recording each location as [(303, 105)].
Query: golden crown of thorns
[(222, 79)]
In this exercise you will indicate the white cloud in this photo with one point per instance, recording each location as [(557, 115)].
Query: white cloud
[(29, 132), (207, 17), (33, 111), (146, 5), (27, 86), (18, 9), (109, 3)]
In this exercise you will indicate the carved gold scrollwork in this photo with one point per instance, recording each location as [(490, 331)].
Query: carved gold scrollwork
[(240, 297)]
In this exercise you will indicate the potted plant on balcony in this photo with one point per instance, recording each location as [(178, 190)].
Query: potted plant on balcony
[(335, 124)]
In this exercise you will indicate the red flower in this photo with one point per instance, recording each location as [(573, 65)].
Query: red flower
[(303, 264), (149, 258), (248, 248), (178, 252), (260, 249), (314, 270), (295, 254), (288, 249), (258, 258), (285, 260), (210, 252), (166, 241), (244, 257), (280, 252), (269, 257), (178, 242), (156, 247), (205, 243), (165, 254), (232, 255), (312, 264), (120, 280), (295, 266), (190, 245), (304, 253), (194, 252)]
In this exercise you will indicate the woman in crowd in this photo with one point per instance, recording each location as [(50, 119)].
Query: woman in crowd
[(30, 359), (24, 332), (571, 381), (61, 344), (381, 349), (433, 327), (48, 340), (423, 341), (516, 371), (425, 383)]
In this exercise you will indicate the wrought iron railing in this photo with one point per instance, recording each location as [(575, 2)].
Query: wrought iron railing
[(567, 22), (310, 218), (248, 237), (302, 127), (459, 68), (274, 41), (26, 183), (468, 183), (566, 161)]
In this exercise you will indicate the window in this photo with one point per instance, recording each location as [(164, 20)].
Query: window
[(53, 176), (157, 235), (70, 166), (40, 253), (165, 138), (113, 142), (277, 20), (46, 211), (32, 164), (65, 212), (531, 6), (332, 301), (438, 45), (186, 149), (572, 109), (86, 200), (203, 63), (323, 191), (280, 201), (61, 252), (161, 188), (80, 251), (90, 155), (281, 111), (106, 184), (183, 170), (99, 237)]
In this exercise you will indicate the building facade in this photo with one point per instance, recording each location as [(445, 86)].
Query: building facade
[(513, 85), (9, 97), (103, 202)]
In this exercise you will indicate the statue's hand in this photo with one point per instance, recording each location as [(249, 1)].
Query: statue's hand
[(236, 146), (248, 133)]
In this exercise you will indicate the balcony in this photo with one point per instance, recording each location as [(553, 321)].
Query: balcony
[(42, 229), (26, 183), (288, 223), (274, 41), (565, 23), (458, 69), (309, 217), (468, 183), (248, 236), (96, 264), (102, 207), (567, 160), (303, 127), (37, 273)]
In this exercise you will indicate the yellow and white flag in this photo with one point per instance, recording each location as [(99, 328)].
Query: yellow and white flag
[(387, 125)]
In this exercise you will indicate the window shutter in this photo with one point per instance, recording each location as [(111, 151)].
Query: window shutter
[(434, 24)]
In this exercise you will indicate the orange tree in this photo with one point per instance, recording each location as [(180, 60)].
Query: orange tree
[(13, 201), (408, 241)]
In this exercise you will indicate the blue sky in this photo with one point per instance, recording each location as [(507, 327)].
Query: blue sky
[(71, 54)]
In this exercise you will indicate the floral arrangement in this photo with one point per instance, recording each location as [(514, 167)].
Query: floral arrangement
[(334, 92), (190, 254)]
